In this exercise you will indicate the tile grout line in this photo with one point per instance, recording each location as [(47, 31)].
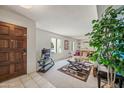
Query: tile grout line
[(35, 82), (22, 82)]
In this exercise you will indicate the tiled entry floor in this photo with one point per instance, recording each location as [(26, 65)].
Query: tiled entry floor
[(33, 80)]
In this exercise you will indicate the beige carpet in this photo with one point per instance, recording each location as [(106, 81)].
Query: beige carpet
[(61, 80)]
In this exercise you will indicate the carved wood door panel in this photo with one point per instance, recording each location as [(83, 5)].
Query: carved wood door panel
[(13, 54)]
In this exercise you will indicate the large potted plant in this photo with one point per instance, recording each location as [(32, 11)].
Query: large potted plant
[(107, 38)]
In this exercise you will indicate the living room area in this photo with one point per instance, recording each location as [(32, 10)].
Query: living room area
[(61, 46)]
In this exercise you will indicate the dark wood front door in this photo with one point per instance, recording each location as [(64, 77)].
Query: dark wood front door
[(13, 47)]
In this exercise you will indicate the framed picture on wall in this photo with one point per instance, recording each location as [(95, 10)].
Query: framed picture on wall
[(66, 45)]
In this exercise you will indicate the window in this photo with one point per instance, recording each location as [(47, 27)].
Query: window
[(56, 46), (59, 48), (73, 46), (53, 45)]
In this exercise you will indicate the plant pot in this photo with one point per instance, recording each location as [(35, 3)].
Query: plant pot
[(94, 71)]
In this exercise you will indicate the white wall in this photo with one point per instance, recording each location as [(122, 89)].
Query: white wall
[(15, 18), (43, 40), (102, 8)]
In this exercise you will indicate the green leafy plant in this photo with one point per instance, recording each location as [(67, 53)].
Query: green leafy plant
[(107, 38)]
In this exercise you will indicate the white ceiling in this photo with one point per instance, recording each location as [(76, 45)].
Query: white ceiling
[(68, 20)]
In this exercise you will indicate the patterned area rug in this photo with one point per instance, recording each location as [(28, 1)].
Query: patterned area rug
[(81, 71)]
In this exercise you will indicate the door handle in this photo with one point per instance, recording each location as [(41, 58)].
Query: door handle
[(24, 53), (25, 50), (11, 40)]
